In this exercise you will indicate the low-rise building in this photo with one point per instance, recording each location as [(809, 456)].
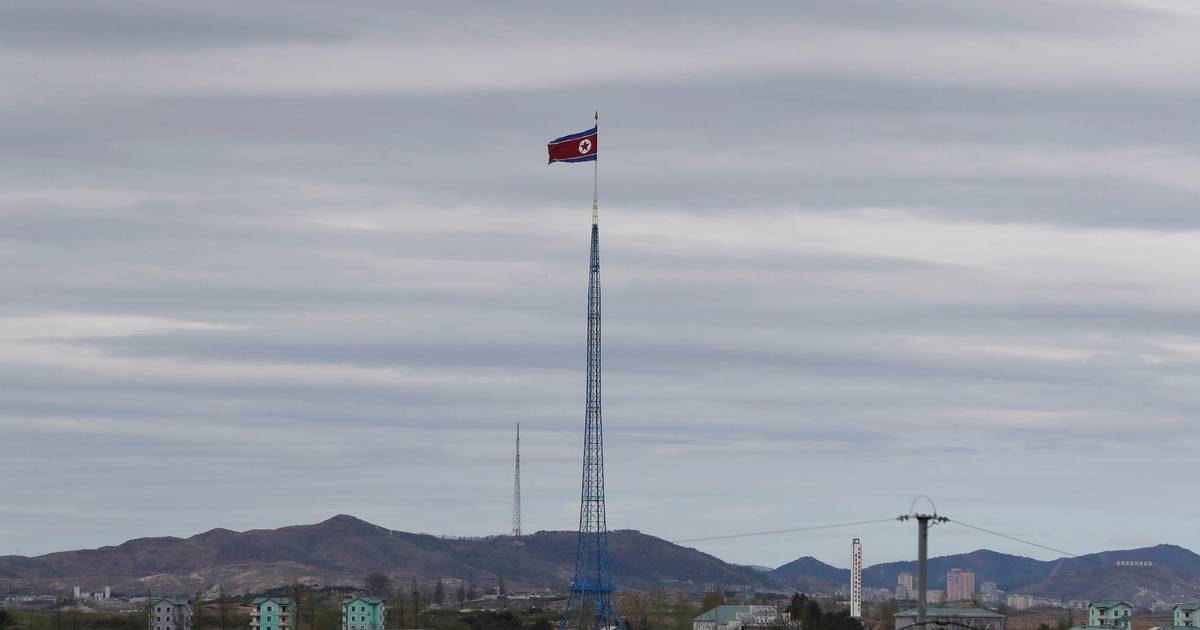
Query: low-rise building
[(273, 613), (989, 593), (1187, 615), (1110, 614), (953, 618), (738, 617), (364, 613), (1017, 601), (905, 579), (170, 613), (934, 596)]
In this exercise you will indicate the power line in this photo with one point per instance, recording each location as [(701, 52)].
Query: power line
[(1015, 539), (784, 531)]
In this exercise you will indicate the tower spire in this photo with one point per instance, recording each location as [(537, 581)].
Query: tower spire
[(516, 521), (592, 590), (596, 180)]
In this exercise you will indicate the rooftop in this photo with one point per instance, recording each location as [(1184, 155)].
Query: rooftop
[(283, 601), (953, 612), (174, 601), (365, 600), (722, 614)]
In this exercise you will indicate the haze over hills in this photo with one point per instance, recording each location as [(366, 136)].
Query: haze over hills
[(343, 549), (1092, 576)]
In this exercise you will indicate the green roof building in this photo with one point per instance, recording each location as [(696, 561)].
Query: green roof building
[(953, 618), (1112, 614), (170, 613), (364, 613), (1187, 615), (736, 617), (273, 613)]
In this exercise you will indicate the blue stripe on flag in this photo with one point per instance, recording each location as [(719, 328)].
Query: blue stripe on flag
[(585, 158), (574, 136)]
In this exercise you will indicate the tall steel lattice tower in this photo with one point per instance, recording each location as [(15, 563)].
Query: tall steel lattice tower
[(856, 579), (592, 592), (516, 530)]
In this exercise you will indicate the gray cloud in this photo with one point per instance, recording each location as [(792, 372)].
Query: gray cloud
[(840, 241)]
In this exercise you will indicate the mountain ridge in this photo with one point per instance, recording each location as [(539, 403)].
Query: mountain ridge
[(342, 549)]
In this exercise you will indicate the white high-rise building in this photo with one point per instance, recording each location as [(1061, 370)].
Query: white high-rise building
[(856, 579)]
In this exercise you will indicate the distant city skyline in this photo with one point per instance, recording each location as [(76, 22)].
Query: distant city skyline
[(269, 262)]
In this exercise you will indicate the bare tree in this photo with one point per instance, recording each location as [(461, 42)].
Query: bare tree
[(197, 613), (222, 608), (379, 584)]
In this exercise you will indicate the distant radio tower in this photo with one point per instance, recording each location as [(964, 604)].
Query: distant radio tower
[(516, 531), (856, 579)]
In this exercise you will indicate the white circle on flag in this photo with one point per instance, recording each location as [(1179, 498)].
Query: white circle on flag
[(585, 145)]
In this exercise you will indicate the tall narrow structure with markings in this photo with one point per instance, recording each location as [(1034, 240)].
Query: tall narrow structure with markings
[(592, 603), (516, 524), (856, 579)]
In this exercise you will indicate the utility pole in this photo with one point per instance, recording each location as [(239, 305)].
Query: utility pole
[(923, 521)]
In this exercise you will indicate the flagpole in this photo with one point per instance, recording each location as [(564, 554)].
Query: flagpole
[(596, 179)]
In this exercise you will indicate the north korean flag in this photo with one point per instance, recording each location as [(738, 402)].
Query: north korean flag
[(577, 147)]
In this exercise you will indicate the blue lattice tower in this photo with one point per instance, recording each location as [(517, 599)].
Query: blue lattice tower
[(592, 588)]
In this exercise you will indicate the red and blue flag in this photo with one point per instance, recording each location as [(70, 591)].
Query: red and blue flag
[(577, 147)]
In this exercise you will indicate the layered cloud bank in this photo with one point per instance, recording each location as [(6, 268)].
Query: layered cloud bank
[(266, 263)]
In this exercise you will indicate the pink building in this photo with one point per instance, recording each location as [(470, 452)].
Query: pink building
[(960, 585)]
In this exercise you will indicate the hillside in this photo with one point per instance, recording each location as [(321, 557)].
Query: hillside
[(343, 549), (810, 575), (1140, 586), (1007, 571), (1094, 576)]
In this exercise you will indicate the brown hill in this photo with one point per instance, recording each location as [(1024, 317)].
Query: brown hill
[(343, 549), (1141, 586)]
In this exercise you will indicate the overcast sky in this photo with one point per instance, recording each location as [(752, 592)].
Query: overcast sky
[(263, 263)]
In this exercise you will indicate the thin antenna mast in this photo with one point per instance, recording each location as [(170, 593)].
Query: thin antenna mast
[(596, 179), (516, 520)]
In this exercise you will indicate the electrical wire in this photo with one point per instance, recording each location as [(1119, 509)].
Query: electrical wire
[(1099, 563), (784, 531), (1023, 541), (1014, 538)]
